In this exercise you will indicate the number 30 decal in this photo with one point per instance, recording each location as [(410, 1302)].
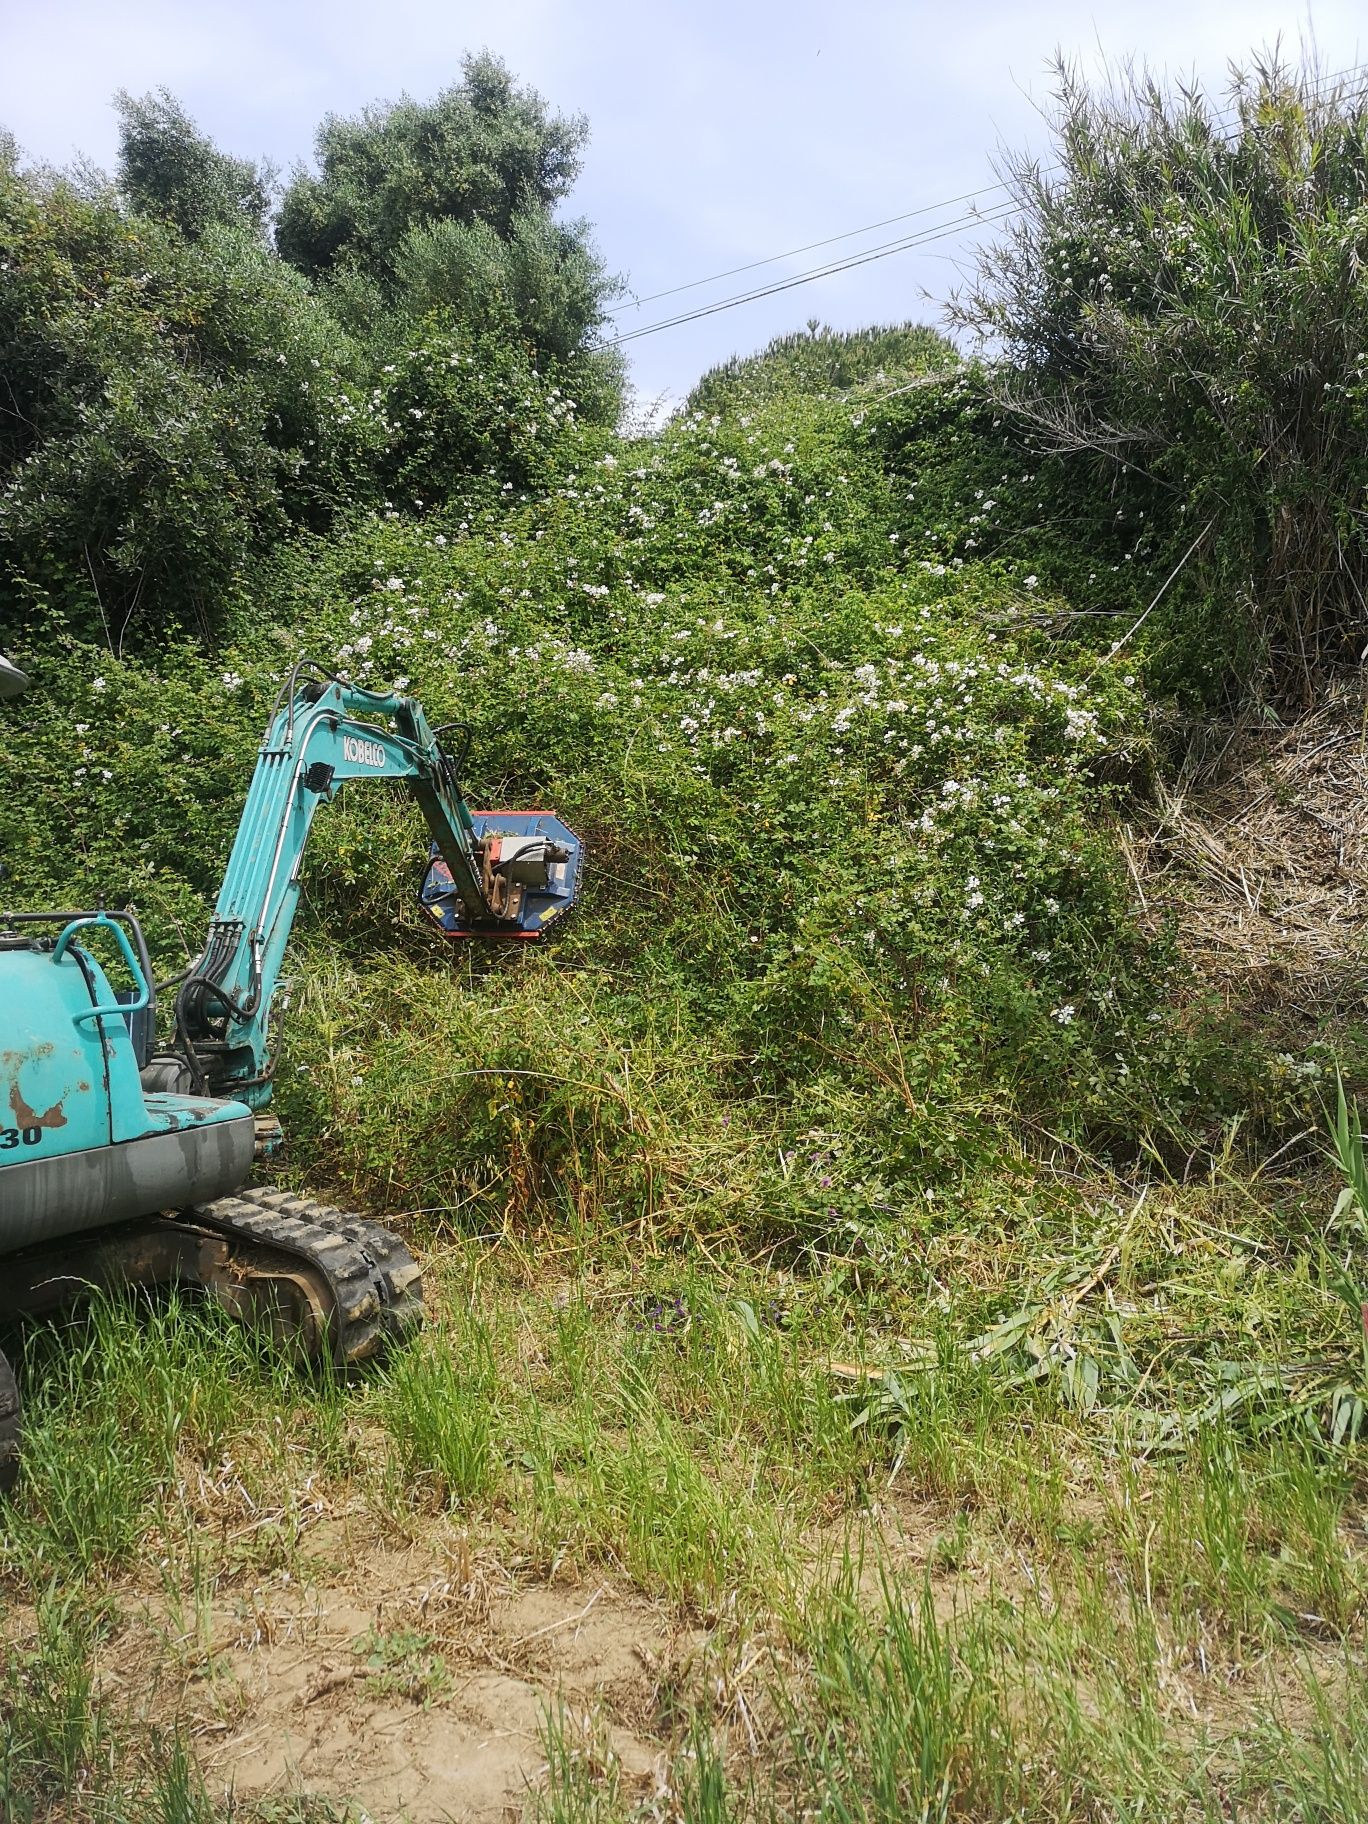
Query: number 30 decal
[(10, 1137)]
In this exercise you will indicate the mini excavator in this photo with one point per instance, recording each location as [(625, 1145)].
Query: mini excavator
[(129, 1161)]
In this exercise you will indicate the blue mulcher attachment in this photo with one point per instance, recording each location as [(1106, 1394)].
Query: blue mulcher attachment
[(530, 866)]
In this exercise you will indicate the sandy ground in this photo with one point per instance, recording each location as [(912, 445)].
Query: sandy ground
[(311, 1685)]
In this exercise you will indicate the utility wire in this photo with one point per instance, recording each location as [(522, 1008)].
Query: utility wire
[(849, 234), (882, 250), (938, 233)]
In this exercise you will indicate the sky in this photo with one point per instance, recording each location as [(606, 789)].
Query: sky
[(721, 133)]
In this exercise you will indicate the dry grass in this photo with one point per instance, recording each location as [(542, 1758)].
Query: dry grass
[(1259, 849)]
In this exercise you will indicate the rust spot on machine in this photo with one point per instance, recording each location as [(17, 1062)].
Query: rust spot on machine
[(29, 1117)]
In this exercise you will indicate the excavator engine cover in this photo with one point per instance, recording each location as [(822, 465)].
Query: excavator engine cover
[(530, 871)]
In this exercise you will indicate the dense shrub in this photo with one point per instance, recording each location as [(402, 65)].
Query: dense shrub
[(174, 407), (821, 361), (181, 399), (839, 675), (854, 924), (1179, 302), (467, 416)]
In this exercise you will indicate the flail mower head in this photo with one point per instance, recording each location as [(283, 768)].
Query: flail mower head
[(529, 864)]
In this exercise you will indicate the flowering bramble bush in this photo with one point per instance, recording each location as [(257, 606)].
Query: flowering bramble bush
[(851, 892)]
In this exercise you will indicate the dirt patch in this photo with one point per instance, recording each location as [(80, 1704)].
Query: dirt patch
[(411, 1684)]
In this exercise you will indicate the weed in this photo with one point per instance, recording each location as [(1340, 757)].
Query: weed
[(403, 1663), (583, 1774), (438, 1404), (53, 1740), (1320, 1771)]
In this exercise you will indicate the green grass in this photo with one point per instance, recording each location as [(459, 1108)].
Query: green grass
[(438, 1405), (928, 1590), (880, 1708), (146, 1413)]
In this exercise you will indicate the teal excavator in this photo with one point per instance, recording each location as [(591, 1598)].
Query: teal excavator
[(128, 1157)]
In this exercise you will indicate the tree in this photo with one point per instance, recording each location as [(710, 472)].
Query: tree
[(424, 214), (172, 408), (1180, 302), (168, 168), (485, 150)]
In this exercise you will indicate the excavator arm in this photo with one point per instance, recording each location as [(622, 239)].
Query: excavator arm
[(492, 875)]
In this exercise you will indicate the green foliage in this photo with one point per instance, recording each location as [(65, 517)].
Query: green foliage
[(466, 413), (485, 150), (168, 168), (977, 489), (539, 282), (443, 210), (822, 361), (133, 776), (1178, 305), (175, 407), (403, 1664), (182, 399), (854, 923)]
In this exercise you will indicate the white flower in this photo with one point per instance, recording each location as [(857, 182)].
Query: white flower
[(98, 684), (1064, 1015), (1030, 582)]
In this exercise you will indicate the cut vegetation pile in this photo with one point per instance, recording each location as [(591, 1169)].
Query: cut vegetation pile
[(898, 1344), (1259, 848)]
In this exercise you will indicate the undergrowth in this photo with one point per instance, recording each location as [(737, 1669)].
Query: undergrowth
[(977, 1602), (852, 886)]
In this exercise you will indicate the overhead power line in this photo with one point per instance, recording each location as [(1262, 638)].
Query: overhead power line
[(849, 234), (883, 250), (939, 232)]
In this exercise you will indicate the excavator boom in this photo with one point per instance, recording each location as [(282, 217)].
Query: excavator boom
[(498, 875)]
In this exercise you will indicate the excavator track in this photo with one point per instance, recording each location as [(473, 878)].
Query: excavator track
[(371, 1286)]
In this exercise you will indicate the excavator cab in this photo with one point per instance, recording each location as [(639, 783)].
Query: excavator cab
[(529, 864)]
